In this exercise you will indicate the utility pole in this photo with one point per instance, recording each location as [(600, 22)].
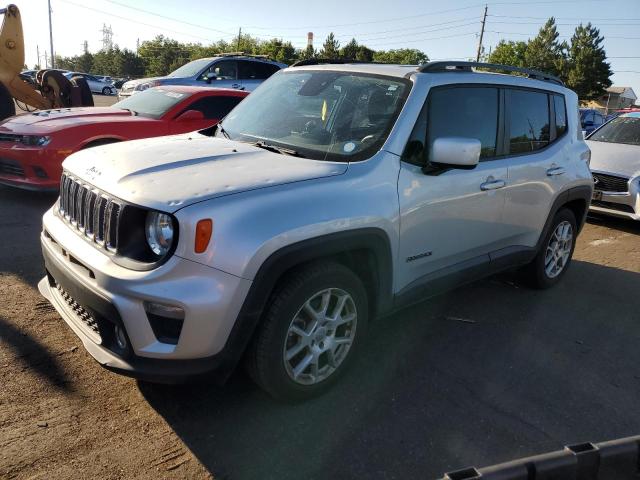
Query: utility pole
[(484, 19), (45, 59), (38, 53), (239, 35), (53, 63)]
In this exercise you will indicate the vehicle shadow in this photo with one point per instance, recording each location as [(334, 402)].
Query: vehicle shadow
[(21, 220), (485, 374), (622, 224), (24, 348)]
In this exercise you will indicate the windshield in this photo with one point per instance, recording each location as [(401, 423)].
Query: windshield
[(325, 115), (153, 102), (190, 69), (619, 130)]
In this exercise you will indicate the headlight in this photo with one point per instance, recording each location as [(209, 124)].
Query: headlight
[(34, 140), (159, 232), (143, 86)]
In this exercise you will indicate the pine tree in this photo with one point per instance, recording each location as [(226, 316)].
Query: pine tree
[(544, 52), (588, 73), (350, 50), (330, 47)]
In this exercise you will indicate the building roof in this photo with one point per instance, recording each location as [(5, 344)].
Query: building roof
[(617, 89)]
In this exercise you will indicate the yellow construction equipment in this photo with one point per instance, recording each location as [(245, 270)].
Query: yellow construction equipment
[(49, 89)]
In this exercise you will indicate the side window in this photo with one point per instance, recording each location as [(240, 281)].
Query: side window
[(529, 121), (214, 107), (599, 119), (470, 112), (224, 70), (561, 115), (256, 70)]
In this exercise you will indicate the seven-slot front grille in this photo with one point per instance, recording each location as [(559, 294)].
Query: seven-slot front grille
[(610, 183), (11, 167), (93, 213)]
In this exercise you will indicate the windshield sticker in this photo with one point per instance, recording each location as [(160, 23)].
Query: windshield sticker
[(174, 94), (349, 147), (324, 111)]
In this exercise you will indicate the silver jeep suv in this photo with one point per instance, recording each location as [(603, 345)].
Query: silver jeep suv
[(331, 195)]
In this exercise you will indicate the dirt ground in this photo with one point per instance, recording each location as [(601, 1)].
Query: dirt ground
[(488, 373)]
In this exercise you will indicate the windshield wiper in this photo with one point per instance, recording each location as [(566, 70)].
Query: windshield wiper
[(277, 149), (223, 131)]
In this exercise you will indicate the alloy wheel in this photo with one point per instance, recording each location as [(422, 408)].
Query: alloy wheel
[(559, 249), (320, 336)]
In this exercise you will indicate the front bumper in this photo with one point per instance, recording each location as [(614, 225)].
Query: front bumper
[(93, 295), (622, 205), (31, 168)]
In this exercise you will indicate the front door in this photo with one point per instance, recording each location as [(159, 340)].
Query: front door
[(451, 218)]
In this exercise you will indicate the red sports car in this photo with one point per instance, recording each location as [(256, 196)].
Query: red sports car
[(33, 145)]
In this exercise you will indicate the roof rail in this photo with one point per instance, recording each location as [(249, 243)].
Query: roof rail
[(447, 66), (325, 61), (240, 54)]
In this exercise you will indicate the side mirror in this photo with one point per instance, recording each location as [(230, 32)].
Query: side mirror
[(455, 152), (190, 115)]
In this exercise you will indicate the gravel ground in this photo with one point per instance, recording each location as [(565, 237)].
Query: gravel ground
[(485, 374)]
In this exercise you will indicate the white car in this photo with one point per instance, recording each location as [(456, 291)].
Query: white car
[(96, 84), (615, 164), (333, 194)]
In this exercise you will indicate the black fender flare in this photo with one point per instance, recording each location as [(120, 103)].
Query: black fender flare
[(374, 240)]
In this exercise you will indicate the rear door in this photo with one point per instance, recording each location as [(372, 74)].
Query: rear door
[(253, 73), (536, 125), (450, 219)]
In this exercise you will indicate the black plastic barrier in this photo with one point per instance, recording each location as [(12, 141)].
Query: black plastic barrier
[(614, 460)]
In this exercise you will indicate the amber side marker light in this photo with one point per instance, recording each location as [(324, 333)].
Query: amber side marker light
[(204, 229)]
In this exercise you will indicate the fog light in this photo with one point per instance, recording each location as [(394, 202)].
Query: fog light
[(166, 321), (121, 338)]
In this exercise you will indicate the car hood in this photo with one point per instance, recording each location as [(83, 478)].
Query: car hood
[(617, 158), (169, 173), (48, 120)]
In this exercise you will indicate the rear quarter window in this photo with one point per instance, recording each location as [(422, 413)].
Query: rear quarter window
[(529, 122)]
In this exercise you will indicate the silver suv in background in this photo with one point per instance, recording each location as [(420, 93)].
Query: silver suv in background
[(242, 72), (331, 195)]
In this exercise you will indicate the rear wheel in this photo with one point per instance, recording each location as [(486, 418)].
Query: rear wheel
[(554, 257), (316, 320)]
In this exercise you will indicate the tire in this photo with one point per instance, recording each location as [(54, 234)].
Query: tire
[(86, 97), (279, 332), (540, 273), (106, 91), (7, 107)]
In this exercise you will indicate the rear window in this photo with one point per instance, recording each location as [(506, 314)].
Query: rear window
[(529, 121), (561, 115)]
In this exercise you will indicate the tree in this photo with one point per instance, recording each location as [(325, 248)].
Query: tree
[(162, 54), (350, 50), (509, 53), (403, 56), (545, 53), (588, 71), (330, 47), (279, 50), (308, 53)]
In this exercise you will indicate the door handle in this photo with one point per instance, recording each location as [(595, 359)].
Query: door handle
[(492, 184), (553, 171), (237, 86)]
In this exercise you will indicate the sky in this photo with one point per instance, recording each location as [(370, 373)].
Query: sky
[(443, 30)]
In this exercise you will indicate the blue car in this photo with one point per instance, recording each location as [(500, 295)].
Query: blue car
[(242, 72), (591, 119)]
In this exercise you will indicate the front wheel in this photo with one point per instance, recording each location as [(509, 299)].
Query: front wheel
[(556, 251), (106, 91), (316, 320)]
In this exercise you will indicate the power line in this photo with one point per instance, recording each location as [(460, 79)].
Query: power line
[(135, 21), (563, 18), (561, 36), (149, 12)]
